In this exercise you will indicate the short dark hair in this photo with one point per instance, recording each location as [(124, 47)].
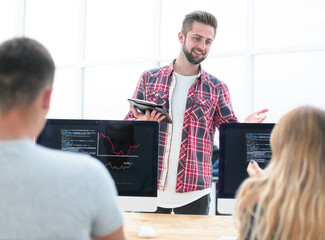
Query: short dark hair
[(26, 67), (199, 16)]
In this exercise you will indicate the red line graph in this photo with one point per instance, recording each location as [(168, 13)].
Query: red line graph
[(113, 148)]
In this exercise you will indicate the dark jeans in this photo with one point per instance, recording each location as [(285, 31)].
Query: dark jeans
[(198, 207)]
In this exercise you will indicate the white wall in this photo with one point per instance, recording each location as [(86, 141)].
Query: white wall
[(269, 52)]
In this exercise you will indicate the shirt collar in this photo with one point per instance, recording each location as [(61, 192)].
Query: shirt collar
[(171, 69)]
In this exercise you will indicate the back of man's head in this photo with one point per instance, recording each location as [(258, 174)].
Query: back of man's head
[(26, 68)]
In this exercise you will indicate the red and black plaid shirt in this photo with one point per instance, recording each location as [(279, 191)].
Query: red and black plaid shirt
[(208, 105)]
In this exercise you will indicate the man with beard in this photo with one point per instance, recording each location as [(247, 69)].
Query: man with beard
[(198, 103)]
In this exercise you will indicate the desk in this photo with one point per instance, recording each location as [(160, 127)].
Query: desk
[(180, 227)]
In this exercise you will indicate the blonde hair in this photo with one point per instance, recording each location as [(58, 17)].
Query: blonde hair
[(289, 201)]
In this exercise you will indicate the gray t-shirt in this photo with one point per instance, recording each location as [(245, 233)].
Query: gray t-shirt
[(51, 194)]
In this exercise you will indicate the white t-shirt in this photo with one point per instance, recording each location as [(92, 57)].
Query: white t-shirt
[(169, 198), (51, 194)]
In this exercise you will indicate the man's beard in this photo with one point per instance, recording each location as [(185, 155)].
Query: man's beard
[(190, 57)]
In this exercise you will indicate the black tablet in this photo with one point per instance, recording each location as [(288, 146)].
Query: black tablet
[(143, 105)]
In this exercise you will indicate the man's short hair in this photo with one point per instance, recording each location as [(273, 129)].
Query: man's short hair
[(199, 16), (26, 67)]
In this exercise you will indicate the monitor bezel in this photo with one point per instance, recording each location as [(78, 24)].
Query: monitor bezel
[(222, 131), (92, 122), (226, 201)]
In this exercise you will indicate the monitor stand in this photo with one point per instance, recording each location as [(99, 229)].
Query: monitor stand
[(226, 205), (137, 204)]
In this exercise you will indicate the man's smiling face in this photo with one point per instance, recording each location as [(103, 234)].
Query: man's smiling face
[(197, 42)]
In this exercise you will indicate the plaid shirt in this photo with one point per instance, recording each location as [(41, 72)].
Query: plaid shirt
[(208, 105)]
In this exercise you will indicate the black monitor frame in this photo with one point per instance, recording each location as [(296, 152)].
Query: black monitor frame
[(134, 168), (233, 157)]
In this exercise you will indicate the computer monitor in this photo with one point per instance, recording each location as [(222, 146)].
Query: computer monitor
[(240, 143), (128, 149)]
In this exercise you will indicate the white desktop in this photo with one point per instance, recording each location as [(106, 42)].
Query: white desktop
[(239, 143), (128, 149)]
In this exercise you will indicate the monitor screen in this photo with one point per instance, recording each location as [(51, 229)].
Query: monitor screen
[(128, 149), (240, 143)]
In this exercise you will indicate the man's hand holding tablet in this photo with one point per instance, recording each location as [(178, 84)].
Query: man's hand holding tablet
[(149, 111)]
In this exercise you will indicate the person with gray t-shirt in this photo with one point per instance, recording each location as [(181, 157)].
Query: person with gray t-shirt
[(45, 193)]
